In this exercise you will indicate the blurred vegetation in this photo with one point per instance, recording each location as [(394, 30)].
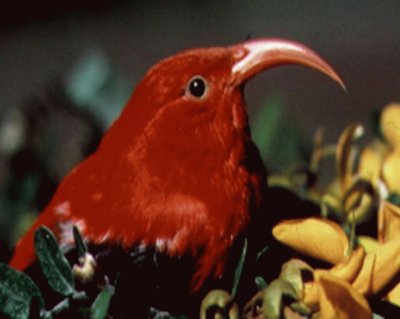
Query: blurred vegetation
[(281, 144), (42, 140)]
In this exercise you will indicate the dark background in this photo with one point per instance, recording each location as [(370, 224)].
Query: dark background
[(45, 47), (360, 38)]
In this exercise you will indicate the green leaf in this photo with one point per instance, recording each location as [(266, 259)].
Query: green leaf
[(59, 308), (99, 308), (79, 242), (54, 265), (154, 313), (17, 291), (239, 269), (260, 283), (261, 253)]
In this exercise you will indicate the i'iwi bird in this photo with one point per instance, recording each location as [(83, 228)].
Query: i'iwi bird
[(178, 171)]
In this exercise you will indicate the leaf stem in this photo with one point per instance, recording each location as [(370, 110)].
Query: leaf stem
[(61, 306)]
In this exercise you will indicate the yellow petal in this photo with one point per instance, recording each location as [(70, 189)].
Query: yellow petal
[(348, 269), (390, 124), (345, 154), (369, 167), (339, 300), (315, 237), (369, 244), (394, 295), (391, 171), (312, 295), (379, 268), (388, 222)]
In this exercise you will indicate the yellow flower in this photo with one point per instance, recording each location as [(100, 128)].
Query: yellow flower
[(388, 222), (367, 273), (389, 230), (353, 194), (390, 125), (361, 188), (339, 300), (379, 268), (315, 237), (371, 161)]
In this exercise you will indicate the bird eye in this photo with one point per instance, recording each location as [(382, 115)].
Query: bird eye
[(197, 87)]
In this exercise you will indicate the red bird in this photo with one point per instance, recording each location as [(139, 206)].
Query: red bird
[(178, 170)]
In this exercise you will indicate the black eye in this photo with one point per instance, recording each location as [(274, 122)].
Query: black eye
[(197, 87)]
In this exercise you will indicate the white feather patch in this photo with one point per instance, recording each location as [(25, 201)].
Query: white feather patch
[(66, 231), (63, 209)]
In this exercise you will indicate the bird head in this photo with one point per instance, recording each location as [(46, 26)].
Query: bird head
[(200, 91)]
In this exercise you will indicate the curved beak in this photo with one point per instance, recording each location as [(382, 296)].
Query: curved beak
[(257, 55)]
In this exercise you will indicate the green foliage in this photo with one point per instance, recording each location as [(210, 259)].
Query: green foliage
[(239, 269), (100, 306), (262, 252), (17, 291), (260, 283), (96, 88), (279, 142), (25, 190), (53, 263), (33, 146), (266, 124)]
